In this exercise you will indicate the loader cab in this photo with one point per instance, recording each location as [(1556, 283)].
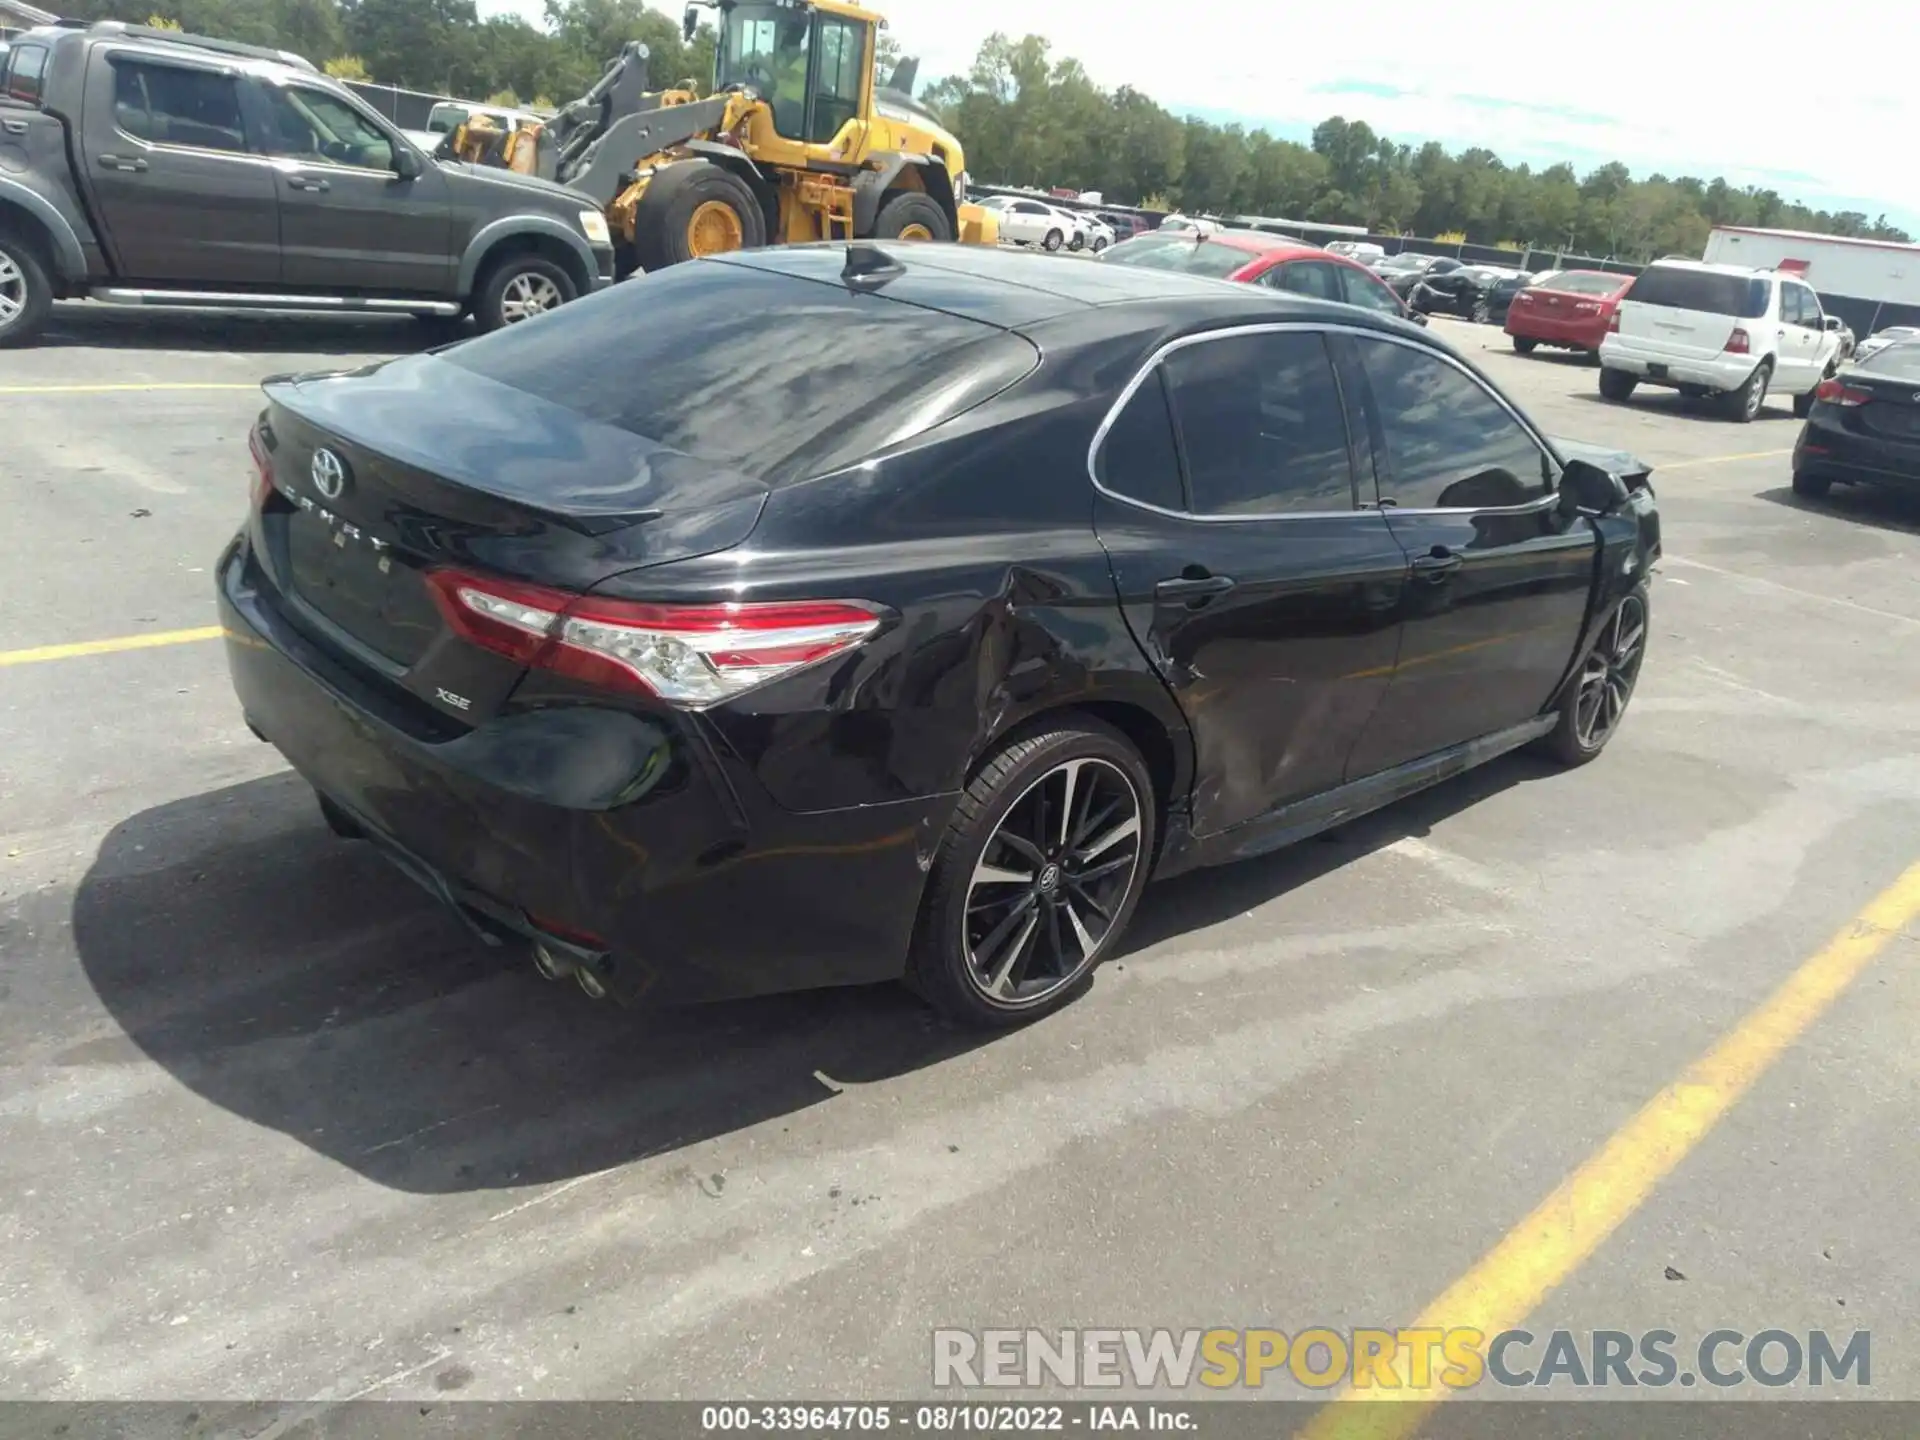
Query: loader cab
[(811, 63)]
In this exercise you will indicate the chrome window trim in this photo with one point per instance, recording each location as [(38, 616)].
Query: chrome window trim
[(1321, 327)]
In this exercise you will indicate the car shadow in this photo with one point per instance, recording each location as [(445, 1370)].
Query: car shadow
[(298, 981), (125, 327), (1201, 898), (1864, 504), (1568, 359), (1661, 401)]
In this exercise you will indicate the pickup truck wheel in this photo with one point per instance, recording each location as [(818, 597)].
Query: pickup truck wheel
[(519, 288), (1596, 698), (26, 295)]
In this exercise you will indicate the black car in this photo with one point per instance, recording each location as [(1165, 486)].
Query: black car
[(1864, 425), (1497, 299), (1404, 271), (1468, 292), (842, 613)]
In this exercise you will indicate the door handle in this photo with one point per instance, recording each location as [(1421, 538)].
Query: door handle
[(131, 163), (1193, 589), (1437, 566), (307, 182)]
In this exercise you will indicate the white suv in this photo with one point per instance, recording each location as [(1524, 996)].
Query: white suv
[(1719, 330)]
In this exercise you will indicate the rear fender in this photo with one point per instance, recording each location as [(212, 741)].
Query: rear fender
[(69, 259)]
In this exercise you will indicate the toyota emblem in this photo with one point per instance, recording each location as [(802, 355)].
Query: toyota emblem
[(329, 473)]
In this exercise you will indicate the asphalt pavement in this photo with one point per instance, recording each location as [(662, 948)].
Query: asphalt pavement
[(272, 1125)]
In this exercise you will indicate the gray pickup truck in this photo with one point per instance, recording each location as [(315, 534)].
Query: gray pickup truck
[(144, 166)]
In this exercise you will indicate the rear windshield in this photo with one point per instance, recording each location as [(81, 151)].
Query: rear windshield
[(1899, 361), (1584, 282), (770, 375), (1717, 294), (1189, 257)]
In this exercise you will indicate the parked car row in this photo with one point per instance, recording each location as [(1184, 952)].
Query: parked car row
[(1026, 221), (642, 674)]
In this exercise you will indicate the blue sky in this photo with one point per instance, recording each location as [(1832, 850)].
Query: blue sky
[(1683, 89)]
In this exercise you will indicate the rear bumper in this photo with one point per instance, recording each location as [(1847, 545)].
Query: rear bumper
[(1835, 455), (1656, 365), (1584, 333), (633, 835)]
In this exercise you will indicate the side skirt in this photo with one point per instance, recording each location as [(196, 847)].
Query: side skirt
[(1303, 818)]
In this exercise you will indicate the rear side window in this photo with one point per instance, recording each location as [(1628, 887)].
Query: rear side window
[(1262, 424), (1451, 445), (1137, 459), (771, 375), (1179, 252), (1739, 295), (25, 68)]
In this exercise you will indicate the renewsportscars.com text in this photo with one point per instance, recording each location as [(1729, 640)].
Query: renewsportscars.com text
[(1320, 1358)]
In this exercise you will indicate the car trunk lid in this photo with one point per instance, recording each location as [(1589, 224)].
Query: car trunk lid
[(383, 478)]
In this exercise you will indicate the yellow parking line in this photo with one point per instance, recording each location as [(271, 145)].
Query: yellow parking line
[(1567, 1227), (108, 647), (1722, 459), (113, 389)]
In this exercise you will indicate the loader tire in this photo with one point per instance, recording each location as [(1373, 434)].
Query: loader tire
[(695, 208), (912, 216)]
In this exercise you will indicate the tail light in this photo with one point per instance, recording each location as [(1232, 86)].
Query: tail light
[(1836, 392), (262, 469), (1738, 343), (1613, 323), (687, 654), (1586, 307)]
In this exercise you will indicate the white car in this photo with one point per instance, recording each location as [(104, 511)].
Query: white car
[(1099, 234), (1365, 251), (1720, 330), (1880, 339), (1178, 223), (1033, 222)]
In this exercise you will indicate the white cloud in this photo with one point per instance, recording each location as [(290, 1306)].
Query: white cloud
[(1664, 85)]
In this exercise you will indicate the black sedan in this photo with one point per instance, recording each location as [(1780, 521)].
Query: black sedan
[(832, 614), (1864, 425)]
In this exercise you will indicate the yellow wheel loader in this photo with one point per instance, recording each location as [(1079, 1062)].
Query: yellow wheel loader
[(794, 142)]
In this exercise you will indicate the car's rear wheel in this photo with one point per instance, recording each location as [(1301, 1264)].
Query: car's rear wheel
[(1054, 240), (1812, 486), (1596, 699), (1038, 875), (1744, 405), (26, 295), (1523, 346), (1616, 384)]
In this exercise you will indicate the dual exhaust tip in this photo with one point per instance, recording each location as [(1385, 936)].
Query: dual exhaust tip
[(554, 963)]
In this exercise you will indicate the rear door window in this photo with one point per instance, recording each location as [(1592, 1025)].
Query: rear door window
[(1306, 277), (174, 105), (1137, 458), (26, 67), (1715, 293), (1261, 424), (772, 375), (1807, 303)]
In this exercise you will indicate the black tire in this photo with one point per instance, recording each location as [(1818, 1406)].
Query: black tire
[(1743, 406), (26, 295), (1100, 243), (1523, 346), (1053, 241), (1813, 487), (1616, 384), (1692, 392), (1035, 933), (911, 210), (1572, 742), (663, 223), (519, 286)]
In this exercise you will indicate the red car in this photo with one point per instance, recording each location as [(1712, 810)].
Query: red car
[(1570, 308), (1257, 258)]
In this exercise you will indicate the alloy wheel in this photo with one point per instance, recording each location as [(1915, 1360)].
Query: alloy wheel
[(1607, 678), (526, 296), (1050, 882), (13, 289), (1757, 393)]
